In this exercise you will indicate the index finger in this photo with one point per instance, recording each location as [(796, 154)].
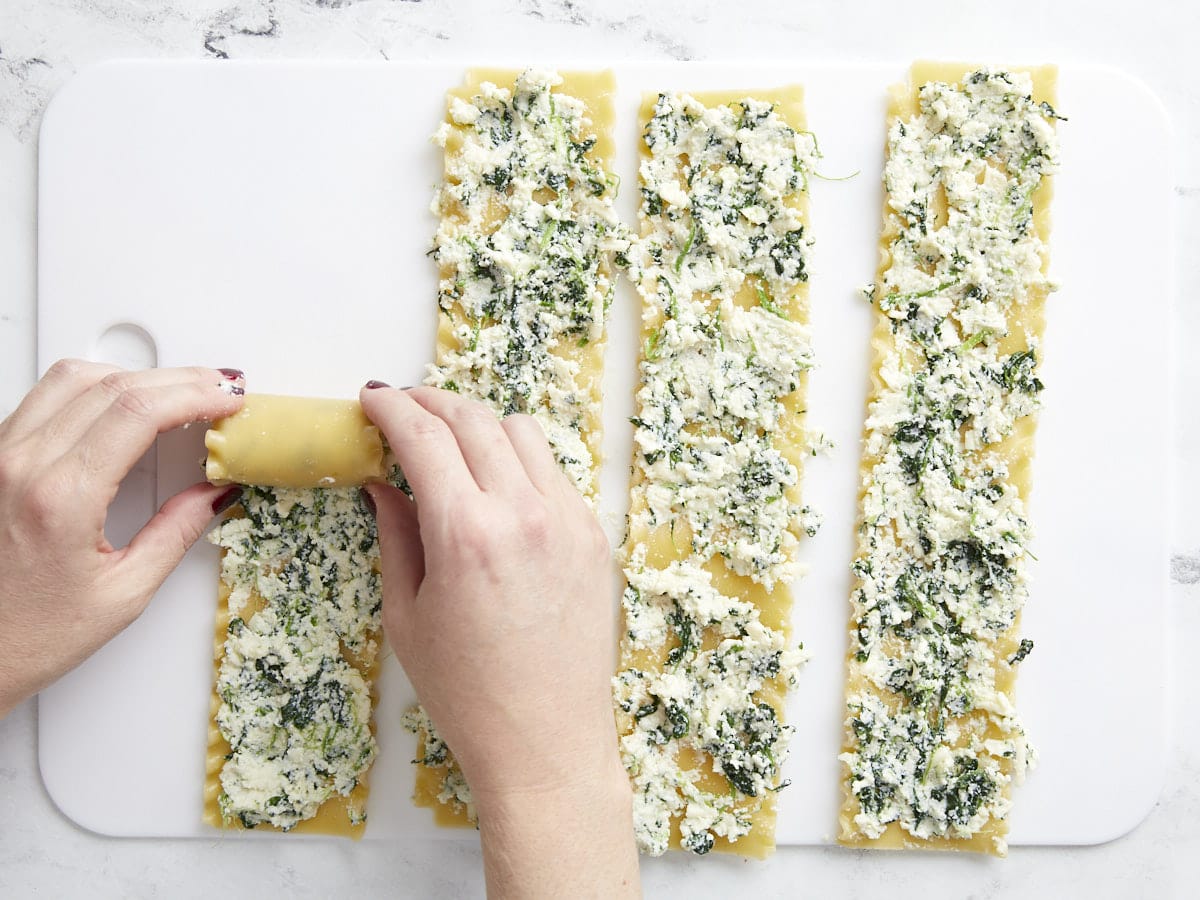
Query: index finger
[(423, 445), (74, 419), (114, 443)]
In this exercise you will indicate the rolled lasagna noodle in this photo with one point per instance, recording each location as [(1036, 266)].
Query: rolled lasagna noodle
[(295, 442)]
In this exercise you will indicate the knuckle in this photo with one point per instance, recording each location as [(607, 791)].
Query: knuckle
[(181, 540), (535, 526), (475, 538), (135, 403), (115, 384), (43, 501), (66, 369), (429, 428), (76, 371), (484, 533), (185, 533)]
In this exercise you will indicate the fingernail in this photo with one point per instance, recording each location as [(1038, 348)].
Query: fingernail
[(232, 374), (227, 499), (368, 500), (373, 384)]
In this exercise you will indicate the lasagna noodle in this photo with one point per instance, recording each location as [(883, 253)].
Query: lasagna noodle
[(566, 397), (340, 814), (295, 442), (657, 547), (1024, 324)]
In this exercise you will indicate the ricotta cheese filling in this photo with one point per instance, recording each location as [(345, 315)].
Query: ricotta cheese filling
[(722, 254), (526, 247), (933, 739), (301, 568)]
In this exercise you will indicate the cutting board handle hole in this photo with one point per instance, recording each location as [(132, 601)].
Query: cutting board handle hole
[(126, 345), (130, 347)]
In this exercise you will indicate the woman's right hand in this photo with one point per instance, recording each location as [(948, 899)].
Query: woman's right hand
[(498, 600)]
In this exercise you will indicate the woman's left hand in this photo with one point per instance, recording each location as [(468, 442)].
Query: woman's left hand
[(64, 589)]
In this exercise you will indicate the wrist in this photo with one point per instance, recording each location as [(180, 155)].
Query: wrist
[(561, 756), (576, 785), (574, 840)]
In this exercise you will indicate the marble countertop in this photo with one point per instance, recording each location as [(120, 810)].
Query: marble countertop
[(43, 42)]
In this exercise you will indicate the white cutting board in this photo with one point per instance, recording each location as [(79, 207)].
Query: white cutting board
[(274, 217)]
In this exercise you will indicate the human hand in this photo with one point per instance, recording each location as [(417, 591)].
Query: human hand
[(498, 592), (64, 589)]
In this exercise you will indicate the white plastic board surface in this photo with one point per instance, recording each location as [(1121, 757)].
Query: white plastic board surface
[(274, 217)]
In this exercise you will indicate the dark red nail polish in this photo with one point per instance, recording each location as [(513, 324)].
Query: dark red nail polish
[(368, 500), (373, 384), (232, 374), (226, 499)]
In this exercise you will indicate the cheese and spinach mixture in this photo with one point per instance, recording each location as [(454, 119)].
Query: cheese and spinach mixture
[(301, 571), (526, 247), (933, 739), (721, 267), (525, 250)]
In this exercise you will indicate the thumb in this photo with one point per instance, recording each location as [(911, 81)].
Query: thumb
[(156, 550), (401, 551)]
